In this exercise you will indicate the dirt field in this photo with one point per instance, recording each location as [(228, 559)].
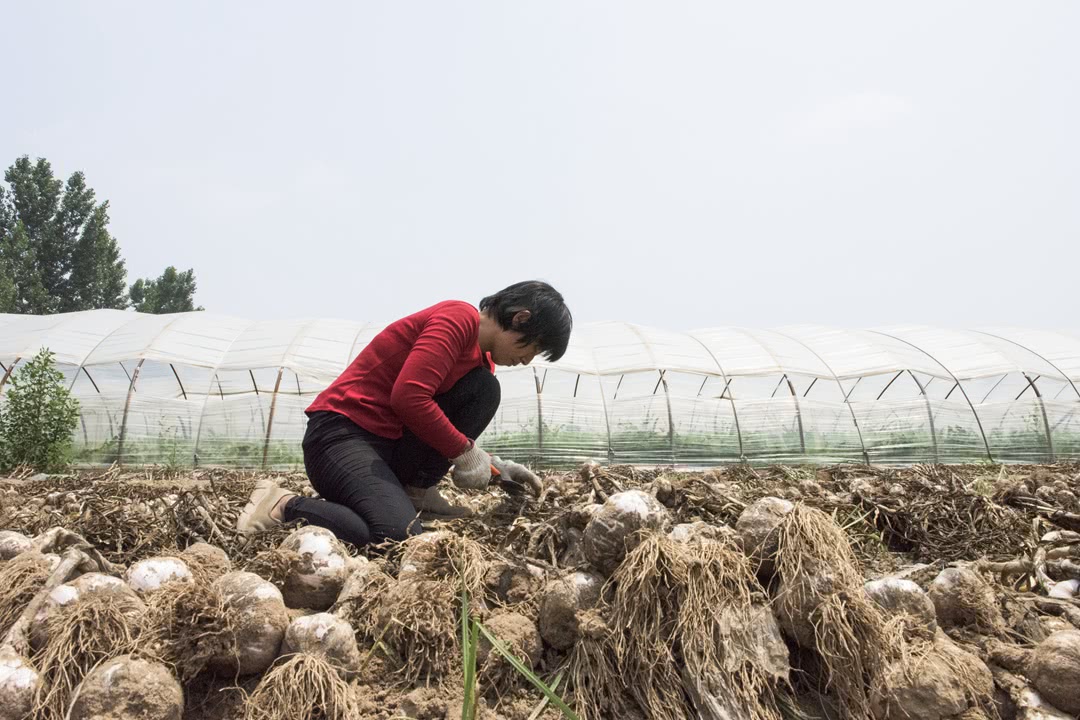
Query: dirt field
[(760, 617)]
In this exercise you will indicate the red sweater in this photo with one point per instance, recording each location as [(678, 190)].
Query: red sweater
[(390, 384)]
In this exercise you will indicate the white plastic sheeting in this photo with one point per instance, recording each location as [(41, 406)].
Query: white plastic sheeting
[(203, 388)]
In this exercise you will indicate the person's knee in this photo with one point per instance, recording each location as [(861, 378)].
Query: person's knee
[(397, 530), (478, 384), (487, 391), (489, 385), (356, 535)]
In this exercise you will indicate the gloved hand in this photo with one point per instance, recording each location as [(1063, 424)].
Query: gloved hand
[(472, 469), (518, 474)]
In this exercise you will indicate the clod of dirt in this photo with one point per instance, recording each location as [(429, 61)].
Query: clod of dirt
[(898, 596), (208, 560), (936, 681), (258, 619), (453, 712), (19, 683), (315, 581), (513, 583), (560, 602), (518, 634), (148, 576), (112, 591), (13, 543), (128, 687), (1054, 669), (613, 530), (963, 599), (424, 704), (325, 635), (757, 527), (686, 532)]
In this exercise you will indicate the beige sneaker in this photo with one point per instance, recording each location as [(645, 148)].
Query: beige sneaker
[(256, 514), (431, 504)]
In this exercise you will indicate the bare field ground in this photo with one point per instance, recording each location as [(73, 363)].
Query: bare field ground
[(735, 592)]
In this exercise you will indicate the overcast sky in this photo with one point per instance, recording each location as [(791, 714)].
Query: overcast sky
[(674, 164)]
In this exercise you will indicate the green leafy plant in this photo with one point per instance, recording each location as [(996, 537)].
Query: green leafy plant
[(471, 630), (38, 417)]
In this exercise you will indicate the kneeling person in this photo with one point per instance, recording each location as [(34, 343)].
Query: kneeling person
[(410, 406)]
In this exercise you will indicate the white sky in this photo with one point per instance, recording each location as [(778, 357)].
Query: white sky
[(673, 164)]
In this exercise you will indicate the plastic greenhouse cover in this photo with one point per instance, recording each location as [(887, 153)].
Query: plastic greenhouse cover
[(319, 349), (220, 389)]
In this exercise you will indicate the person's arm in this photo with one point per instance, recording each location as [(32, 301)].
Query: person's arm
[(443, 340)]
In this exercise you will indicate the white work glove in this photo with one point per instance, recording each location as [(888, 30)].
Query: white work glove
[(472, 469), (519, 475)]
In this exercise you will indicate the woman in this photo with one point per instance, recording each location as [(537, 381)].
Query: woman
[(411, 404)]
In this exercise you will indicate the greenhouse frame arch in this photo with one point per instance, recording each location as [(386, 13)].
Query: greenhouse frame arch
[(206, 389)]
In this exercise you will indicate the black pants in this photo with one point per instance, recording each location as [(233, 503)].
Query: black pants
[(360, 476)]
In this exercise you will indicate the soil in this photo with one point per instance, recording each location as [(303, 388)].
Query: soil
[(905, 524)]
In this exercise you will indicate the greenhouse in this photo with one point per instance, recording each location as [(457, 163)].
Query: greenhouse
[(202, 389)]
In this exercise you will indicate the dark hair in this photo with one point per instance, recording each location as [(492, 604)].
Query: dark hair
[(550, 323)]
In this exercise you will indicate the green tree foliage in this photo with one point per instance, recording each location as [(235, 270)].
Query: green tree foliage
[(57, 255), (7, 212), (98, 277), (38, 417), (72, 221), (36, 196), (171, 293), (21, 289)]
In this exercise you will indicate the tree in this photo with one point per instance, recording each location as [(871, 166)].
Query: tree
[(21, 290), (35, 193), (7, 212), (61, 229), (38, 417), (35, 197), (7, 270), (57, 255), (98, 277), (8, 290), (62, 242), (171, 293)]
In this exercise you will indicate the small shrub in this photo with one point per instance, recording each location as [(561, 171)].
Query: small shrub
[(38, 417)]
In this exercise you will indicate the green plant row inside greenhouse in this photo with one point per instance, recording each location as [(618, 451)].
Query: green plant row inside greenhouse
[(199, 389)]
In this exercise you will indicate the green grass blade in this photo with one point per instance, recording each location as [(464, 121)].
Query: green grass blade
[(468, 710), (464, 623), (529, 674), (470, 638), (544, 701)]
